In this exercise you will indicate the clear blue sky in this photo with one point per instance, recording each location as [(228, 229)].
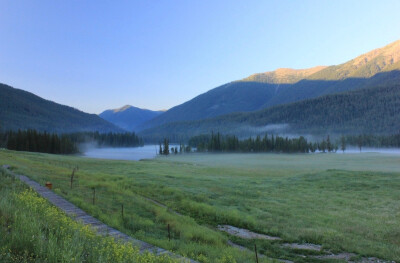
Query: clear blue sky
[(96, 55)]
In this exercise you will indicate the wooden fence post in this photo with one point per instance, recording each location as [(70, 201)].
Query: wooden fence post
[(169, 234), (94, 195), (72, 176), (255, 250)]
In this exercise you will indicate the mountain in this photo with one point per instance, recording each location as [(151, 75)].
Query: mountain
[(20, 109), (282, 86), (231, 97), (129, 117), (372, 110), (364, 66), (284, 75)]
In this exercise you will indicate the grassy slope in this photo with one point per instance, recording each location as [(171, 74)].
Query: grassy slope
[(344, 202), (32, 230)]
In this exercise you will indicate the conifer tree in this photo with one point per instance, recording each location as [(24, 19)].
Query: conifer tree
[(360, 142), (342, 143), (323, 146), (328, 144), (166, 147)]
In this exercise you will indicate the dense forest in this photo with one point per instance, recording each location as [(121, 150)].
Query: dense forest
[(378, 141), (247, 96), (273, 143), (278, 144), (35, 141), (366, 111)]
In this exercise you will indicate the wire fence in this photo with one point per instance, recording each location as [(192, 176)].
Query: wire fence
[(107, 199), (112, 202)]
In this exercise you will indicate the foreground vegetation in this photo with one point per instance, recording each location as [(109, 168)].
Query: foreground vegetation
[(342, 202), (31, 230)]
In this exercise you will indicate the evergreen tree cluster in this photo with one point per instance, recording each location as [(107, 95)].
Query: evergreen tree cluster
[(370, 140), (165, 150), (276, 144), (127, 139), (33, 141)]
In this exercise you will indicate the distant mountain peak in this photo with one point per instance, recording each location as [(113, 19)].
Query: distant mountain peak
[(129, 117), (123, 108), (130, 107), (284, 75)]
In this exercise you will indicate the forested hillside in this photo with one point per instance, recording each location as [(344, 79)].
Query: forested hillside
[(231, 97), (376, 68), (23, 110), (372, 110)]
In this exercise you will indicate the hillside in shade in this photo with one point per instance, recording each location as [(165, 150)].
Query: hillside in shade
[(372, 110), (282, 86), (129, 117), (23, 110)]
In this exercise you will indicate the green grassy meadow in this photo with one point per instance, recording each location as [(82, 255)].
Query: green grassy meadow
[(344, 202), (32, 230)]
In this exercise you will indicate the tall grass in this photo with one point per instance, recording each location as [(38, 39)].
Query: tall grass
[(343, 202), (31, 230)]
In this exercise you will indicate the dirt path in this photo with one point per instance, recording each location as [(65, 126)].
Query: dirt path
[(244, 233), (247, 234), (82, 217)]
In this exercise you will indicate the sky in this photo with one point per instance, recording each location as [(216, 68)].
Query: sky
[(98, 55)]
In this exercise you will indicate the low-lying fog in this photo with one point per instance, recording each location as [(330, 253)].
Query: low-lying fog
[(354, 150), (134, 153), (150, 151)]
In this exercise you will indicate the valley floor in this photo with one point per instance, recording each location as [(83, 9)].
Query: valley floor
[(340, 203)]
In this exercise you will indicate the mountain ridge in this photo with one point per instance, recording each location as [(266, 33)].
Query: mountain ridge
[(370, 110), (283, 86), (128, 117), (283, 75), (20, 109)]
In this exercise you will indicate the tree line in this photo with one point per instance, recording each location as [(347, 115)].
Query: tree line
[(269, 143), (35, 141), (278, 144), (378, 141)]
